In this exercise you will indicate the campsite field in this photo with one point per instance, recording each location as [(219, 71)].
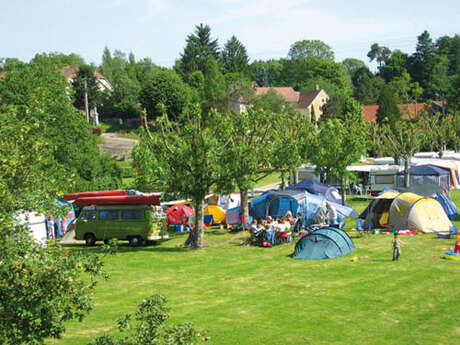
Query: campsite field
[(251, 295)]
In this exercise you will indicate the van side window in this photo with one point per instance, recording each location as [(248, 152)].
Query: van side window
[(88, 215), (108, 215), (132, 214)]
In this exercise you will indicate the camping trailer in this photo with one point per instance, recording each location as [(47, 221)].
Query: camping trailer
[(376, 178)]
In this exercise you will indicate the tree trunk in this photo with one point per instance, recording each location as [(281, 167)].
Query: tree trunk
[(195, 239), (283, 180), (342, 187), (294, 176), (407, 172), (244, 208)]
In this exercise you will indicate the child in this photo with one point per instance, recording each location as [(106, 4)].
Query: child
[(457, 244), (396, 246)]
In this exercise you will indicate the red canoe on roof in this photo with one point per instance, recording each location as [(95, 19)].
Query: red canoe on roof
[(75, 196), (118, 200)]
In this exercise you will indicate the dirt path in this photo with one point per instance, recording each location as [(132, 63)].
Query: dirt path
[(119, 147)]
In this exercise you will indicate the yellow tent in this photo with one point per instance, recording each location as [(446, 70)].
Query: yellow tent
[(218, 213), (407, 211)]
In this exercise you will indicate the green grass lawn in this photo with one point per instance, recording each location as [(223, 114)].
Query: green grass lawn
[(270, 179), (251, 295)]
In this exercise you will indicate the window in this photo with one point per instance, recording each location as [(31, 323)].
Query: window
[(108, 215), (384, 179), (132, 214), (88, 215)]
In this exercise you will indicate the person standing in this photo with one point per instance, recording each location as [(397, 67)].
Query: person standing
[(396, 244), (331, 214), (50, 227)]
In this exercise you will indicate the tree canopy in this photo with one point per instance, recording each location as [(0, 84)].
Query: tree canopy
[(234, 57), (311, 49)]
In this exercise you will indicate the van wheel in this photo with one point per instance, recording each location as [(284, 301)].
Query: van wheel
[(135, 241), (90, 240)]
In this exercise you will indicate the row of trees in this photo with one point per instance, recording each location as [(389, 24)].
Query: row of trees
[(430, 73)]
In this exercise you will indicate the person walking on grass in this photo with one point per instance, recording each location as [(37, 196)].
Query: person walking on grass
[(396, 243)]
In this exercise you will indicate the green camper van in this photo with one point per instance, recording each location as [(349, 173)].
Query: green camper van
[(135, 223)]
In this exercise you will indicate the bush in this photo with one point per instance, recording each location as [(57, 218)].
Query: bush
[(149, 327), (41, 288)]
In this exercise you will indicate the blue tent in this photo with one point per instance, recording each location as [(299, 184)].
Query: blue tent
[(447, 204), (315, 187), (324, 243), (277, 204)]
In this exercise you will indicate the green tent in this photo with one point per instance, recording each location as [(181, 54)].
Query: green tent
[(324, 243)]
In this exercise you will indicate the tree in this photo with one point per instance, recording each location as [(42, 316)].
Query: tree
[(41, 288), (311, 48), (59, 59), (85, 76), (352, 65), (165, 88), (36, 96), (200, 48), (366, 86), (183, 157), (339, 143), (214, 95), (379, 54), (303, 74), (394, 66), (437, 131), (402, 140), (388, 106), (234, 57), (268, 137), (422, 61), (439, 81), (268, 73), (406, 90)]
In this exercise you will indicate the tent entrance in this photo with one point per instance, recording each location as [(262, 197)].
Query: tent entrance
[(278, 207)]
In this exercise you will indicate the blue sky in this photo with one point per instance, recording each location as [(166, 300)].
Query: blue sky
[(158, 28)]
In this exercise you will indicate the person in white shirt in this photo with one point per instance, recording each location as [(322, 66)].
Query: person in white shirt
[(331, 214)]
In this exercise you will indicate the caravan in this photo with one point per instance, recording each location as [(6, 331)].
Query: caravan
[(375, 178)]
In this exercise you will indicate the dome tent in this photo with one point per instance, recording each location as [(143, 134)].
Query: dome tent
[(217, 213), (407, 211), (324, 243)]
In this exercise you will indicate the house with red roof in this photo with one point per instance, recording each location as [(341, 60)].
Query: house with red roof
[(70, 72), (306, 102), (410, 110)]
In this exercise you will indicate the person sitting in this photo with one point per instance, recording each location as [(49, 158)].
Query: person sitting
[(257, 234), (270, 230)]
